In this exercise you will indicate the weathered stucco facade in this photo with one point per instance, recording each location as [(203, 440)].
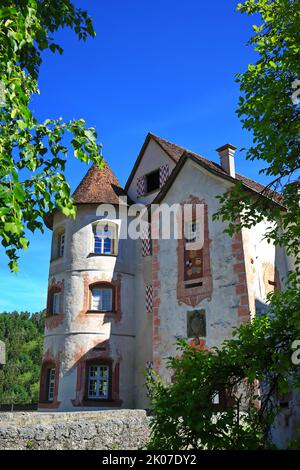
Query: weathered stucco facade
[(160, 291)]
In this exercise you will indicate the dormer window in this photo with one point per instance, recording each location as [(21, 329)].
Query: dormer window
[(105, 238), (152, 181)]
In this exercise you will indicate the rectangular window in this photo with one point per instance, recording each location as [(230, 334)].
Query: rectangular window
[(56, 303), (98, 381), (61, 244), (103, 242), (102, 299), (51, 384), (193, 256), (192, 232), (152, 181), (216, 399)]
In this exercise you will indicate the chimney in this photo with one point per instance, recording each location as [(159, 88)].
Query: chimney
[(226, 154)]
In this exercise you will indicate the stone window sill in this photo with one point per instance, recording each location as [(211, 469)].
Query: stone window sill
[(91, 255), (99, 312)]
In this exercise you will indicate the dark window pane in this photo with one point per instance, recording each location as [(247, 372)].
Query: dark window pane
[(152, 181)]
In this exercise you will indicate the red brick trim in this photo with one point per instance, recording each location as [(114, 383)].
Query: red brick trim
[(194, 295), (241, 287), (49, 361)]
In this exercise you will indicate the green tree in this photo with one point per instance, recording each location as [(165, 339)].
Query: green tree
[(261, 351), (33, 154), (23, 336), (269, 111)]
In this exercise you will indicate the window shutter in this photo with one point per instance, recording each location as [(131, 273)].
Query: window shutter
[(140, 186), (163, 174), (146, 240), (149, 298)]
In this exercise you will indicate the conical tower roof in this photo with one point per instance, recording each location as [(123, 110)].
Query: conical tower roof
[(99, 185)]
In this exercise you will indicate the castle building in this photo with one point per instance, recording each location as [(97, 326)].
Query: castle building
[(117, 305)]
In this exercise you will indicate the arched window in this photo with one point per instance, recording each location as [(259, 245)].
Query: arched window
[(102, 297), (105, 238)]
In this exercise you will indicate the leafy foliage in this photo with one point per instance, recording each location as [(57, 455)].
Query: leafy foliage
[(259, 353), (267, 110), (22, 334), (32, 154)]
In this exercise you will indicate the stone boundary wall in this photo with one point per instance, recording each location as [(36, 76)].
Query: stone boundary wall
[(94, 430)]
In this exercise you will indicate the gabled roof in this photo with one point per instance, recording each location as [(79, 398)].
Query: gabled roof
[(99, 185), (172, 150), (177, 153), (214, 168)]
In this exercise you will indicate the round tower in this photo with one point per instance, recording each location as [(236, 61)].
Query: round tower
[(89, 329)]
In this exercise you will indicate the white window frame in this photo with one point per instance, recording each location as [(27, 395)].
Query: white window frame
[(56, 299), (51, 384), (102, 231), (102, 237), (216, 399), (61, 244), (102, 377), (98, 301)]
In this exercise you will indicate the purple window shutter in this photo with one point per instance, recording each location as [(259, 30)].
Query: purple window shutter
[(149, 298), (146, 241), (163, 174), (140, 186)]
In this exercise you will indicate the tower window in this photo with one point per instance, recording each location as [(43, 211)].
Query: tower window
[(102, 299), (98, 381), (105, 238), (152, 181), (61, 244), (56, 298), (51, 384)]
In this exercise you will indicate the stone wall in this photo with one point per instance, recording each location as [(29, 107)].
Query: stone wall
[(102, 430)]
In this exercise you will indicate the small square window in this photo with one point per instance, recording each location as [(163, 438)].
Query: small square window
[(102, 299), (152, 181)]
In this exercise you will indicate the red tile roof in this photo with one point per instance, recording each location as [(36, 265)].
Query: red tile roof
[(98, 185), (176, 152)]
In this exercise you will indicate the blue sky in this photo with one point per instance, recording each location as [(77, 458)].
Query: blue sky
[(162, 66)]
